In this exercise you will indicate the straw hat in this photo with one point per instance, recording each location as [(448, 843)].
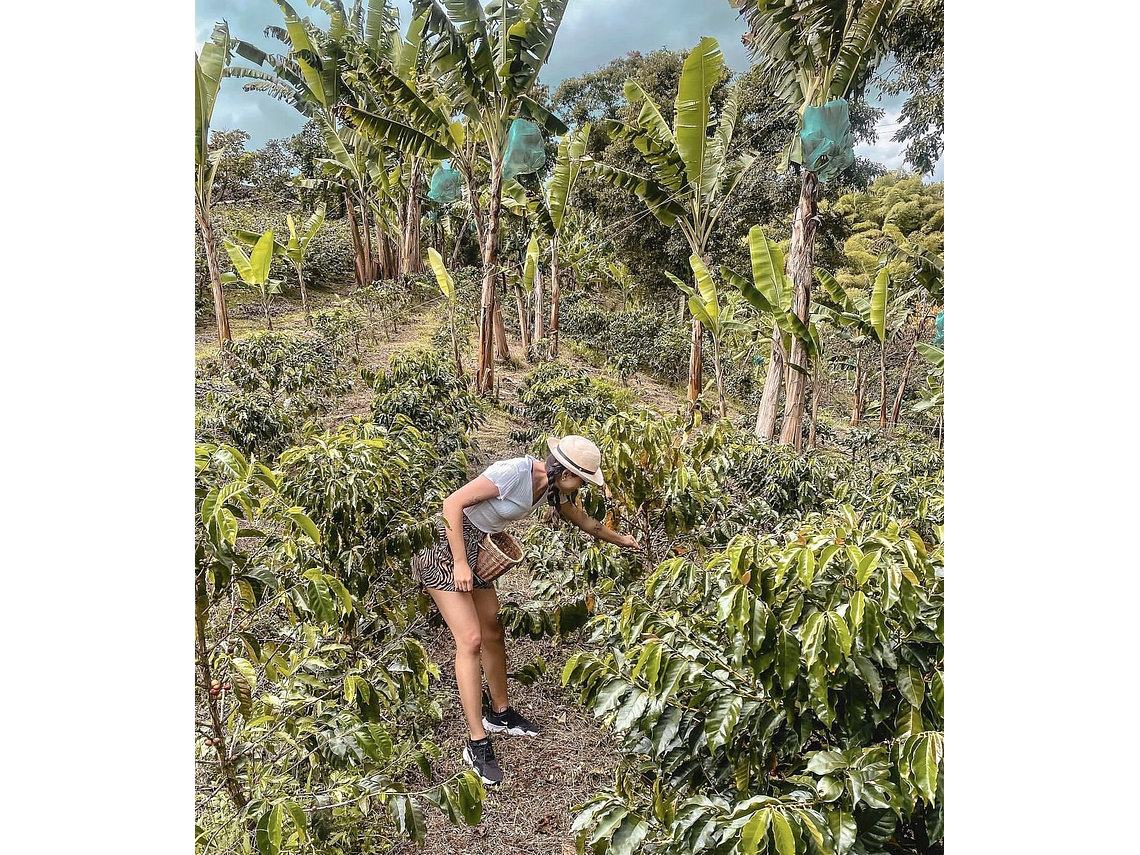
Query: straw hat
[(579, 456)]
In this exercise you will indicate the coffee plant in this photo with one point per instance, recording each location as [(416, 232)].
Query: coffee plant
[(312, 702), (788, 483), (259, 392), (553, 389), (422, 388), (340, 327), (778, 695), (371, 490), (641, 339)]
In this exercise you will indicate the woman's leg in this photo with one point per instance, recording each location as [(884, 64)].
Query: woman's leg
[(458, 610), (494, 648)]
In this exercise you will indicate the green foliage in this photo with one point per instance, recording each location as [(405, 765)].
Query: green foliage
[(784, 483), (338, 326), (468, 284), (371, 489), (782, 695), (641, 339), (389, 302), (916, 43), (553, 389), (328, 254), (665, 481), (253, 270), (260, 392), (309, 735), (421, 388)]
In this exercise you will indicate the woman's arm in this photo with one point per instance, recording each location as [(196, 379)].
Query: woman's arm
[(477, 490), (591, 526)]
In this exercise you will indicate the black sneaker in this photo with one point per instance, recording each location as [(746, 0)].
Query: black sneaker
[(509, 721), (480, 756)]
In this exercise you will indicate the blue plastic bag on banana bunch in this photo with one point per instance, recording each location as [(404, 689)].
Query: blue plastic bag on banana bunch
[(828, 146), (446, 185), (526, 150)]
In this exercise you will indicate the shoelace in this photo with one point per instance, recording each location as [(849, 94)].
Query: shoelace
[(483, 751)]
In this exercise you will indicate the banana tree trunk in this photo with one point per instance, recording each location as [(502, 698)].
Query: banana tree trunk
[(502, 350), (459, 241), (357, 250), (304, 295), (411, 259), (366, 243), (539, 332), (814, 403), (694, 366), (860, 378), (719, 380), (387, 253), (485, 371), (554, 297), (220, 314), (902, 384), (477, 212), (524, 327), (883, 386), (455, 344), (770, 397), (800, 269)]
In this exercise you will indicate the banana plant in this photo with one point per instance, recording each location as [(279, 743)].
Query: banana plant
[(929, 270), (352, 67), (253, 270), (690, 177), (934, 396), (486, 62), (621, 276), (210, 66), (811, 52), (771, 292), (297, 246), (526, 284), (706, 308), (571, 150), (295, 249), (447, 288), (878, 319)]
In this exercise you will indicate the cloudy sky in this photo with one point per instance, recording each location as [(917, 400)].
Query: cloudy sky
[(592, 33)]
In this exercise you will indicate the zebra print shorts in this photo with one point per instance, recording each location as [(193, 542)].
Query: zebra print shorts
[(435, 568)]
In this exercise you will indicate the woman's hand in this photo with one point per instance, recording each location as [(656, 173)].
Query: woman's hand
[(463, 576), (628, 541)]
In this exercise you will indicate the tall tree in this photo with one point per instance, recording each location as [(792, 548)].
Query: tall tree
[(209, 67), (811, 52), (916, 44), (487, 63)]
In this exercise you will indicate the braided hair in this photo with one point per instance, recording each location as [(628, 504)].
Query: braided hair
[(554, 470)]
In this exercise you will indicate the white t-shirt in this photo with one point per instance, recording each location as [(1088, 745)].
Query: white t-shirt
[(513, 478)]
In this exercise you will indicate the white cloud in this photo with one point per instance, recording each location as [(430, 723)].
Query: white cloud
[(890, 153)]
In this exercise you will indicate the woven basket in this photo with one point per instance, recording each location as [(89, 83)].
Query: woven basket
[(498, 553)]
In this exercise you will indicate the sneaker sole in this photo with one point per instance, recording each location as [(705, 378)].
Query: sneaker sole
[(470, 761), (502, 728)]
